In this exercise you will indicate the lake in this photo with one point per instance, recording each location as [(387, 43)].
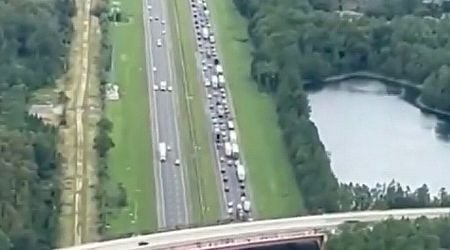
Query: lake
[(373, 135)]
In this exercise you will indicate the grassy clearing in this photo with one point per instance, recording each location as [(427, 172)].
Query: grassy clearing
[(130, 161), (272, 179), (196, 141)]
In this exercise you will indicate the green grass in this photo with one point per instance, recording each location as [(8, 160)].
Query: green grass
[(271, 177), (196, 142), (130, 161)]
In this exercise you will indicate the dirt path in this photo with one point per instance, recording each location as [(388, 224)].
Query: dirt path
[(78, 214)]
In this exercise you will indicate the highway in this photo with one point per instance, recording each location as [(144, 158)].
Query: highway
[(169, 178), (220, 111), (229, 235)]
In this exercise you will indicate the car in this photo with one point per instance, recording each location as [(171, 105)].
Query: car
[(163, 22), (227, 189), (222, 159), (177, 162), (163, 32), (230, 204), (156, 18), (230, 210), (149, 6), (205, 68), (243, 198), (211, 106), (155, 87), (230, 163), (154, 69), (242, 185), (250, 219), (169, 88), (222, 170), (209, 96), (169, 148), (207, 83), (225, 178), (159, 43), (239, 207), (150, 18)]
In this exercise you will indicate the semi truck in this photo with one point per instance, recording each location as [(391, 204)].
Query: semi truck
[(228, 149), (162, 151), (240, 172)]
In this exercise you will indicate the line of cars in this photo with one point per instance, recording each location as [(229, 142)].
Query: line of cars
[(232, 170)]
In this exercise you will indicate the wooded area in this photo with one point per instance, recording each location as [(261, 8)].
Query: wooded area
[(34, 39), (420, 234), (299, 40)]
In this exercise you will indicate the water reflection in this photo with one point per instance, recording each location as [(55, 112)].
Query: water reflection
[(374, 135)]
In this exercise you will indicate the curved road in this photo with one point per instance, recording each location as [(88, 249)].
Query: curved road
[(169, 179)]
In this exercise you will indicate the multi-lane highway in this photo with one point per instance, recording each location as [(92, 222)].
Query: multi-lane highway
[(169, 174), (229, 236)]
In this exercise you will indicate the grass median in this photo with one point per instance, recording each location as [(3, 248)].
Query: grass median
[(130, 161), (204, 194), (272, 179)]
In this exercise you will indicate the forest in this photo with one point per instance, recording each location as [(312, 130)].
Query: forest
[(298, 41), (34, 39)]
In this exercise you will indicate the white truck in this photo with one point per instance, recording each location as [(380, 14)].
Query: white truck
[(162, 151), (235, 150), (221, 80), (205, 33), (246, 205), (228, 149), (233, 136), (240, 172), (215, 81), (163, 86), (230, 125), (219, 69), (212, 39)]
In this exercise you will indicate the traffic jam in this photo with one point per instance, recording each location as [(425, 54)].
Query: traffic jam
[(232, 170)]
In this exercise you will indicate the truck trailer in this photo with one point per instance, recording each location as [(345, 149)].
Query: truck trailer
[(240, 172), (162, 151)]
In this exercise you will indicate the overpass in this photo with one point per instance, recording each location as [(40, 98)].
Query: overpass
[(247, 234)]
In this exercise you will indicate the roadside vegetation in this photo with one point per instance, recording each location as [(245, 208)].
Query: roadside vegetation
[(419, 234), (127, 198), (295, 41), (271, 178), (33, 51), (203, 189)]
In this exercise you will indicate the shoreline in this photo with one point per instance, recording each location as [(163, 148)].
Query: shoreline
[(366, 75)]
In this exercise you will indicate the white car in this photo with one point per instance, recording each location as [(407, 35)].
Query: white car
[(168, 148), (150, 18), (230, 204), (159, 43), (209, 96), (169, 88), (177, 162), (230, 210), (149, 6), (155, 87), (163, 22), (163, 32), (154, 69)]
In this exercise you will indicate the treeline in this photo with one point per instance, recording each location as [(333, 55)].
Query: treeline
[(419, 234), (294, 42), (34, 38)]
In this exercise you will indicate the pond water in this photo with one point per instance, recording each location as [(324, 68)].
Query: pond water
[(373, 135)]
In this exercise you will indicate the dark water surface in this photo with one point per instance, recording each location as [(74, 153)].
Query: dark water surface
[(373, 135)]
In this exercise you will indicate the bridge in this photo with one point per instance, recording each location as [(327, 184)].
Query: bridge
[(258, 233)]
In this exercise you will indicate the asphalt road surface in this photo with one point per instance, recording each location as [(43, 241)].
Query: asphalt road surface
[(218, 98), (170, 184)]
